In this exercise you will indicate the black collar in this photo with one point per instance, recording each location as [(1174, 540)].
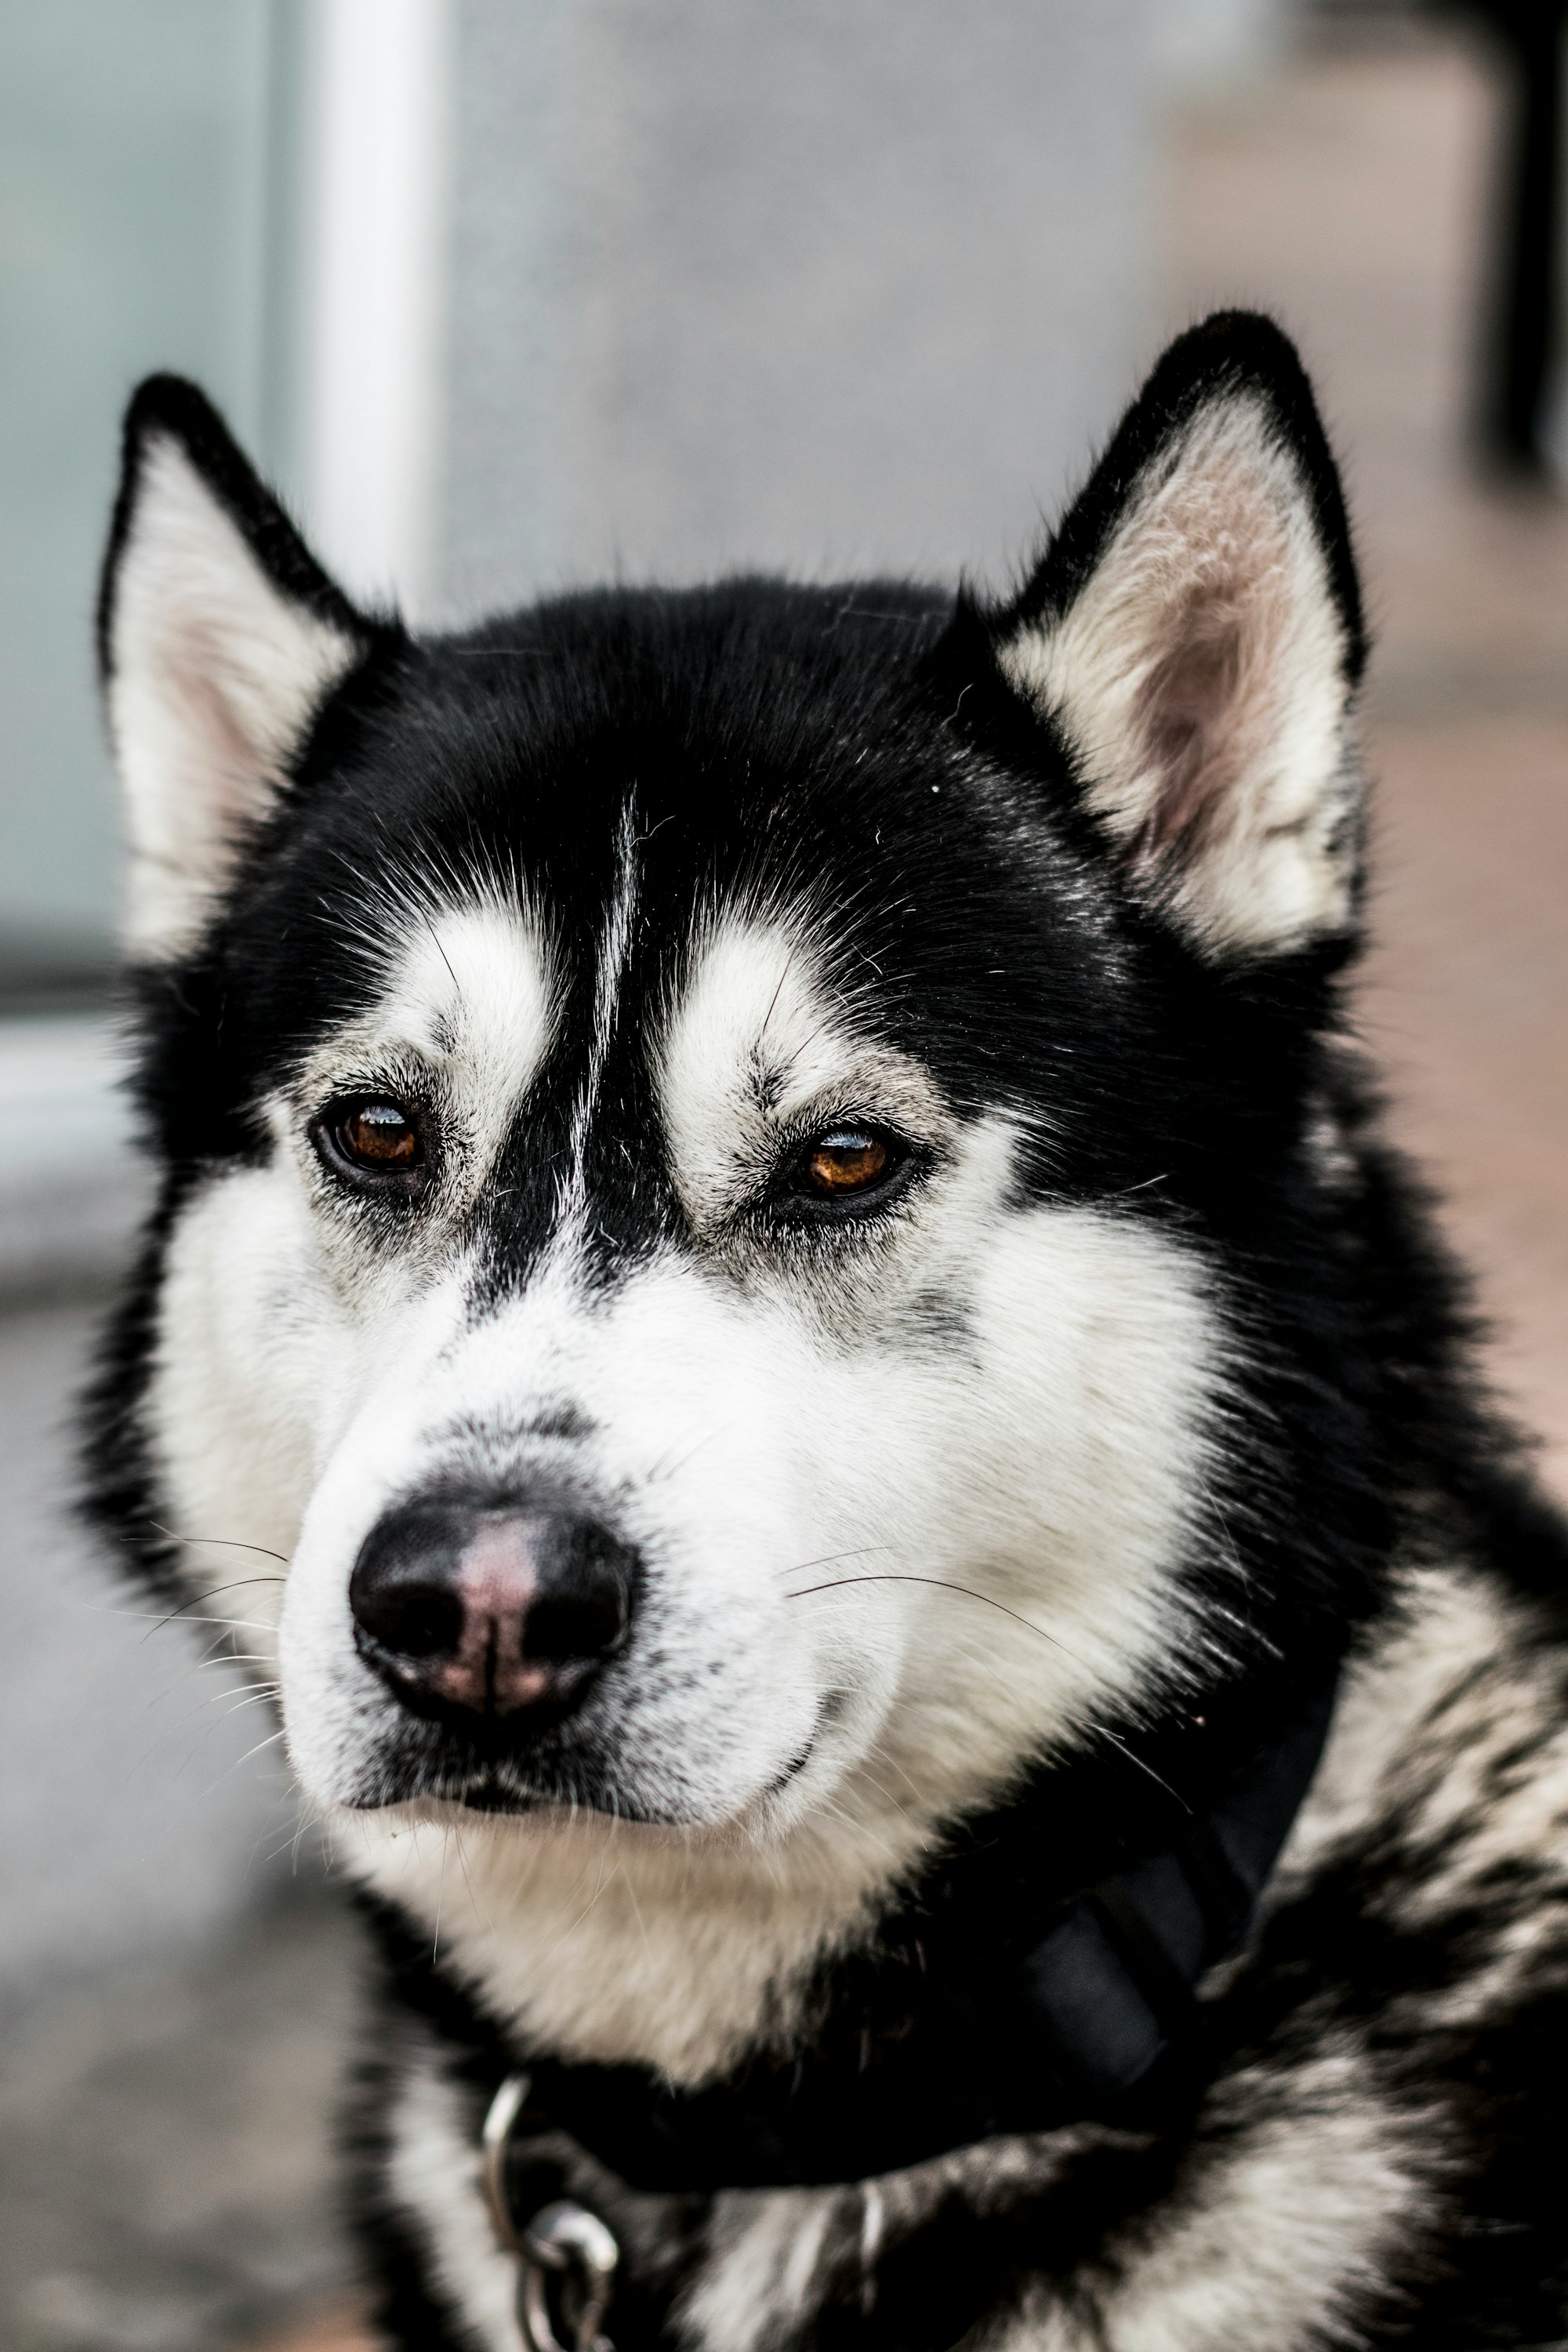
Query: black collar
[(1051, 2028)]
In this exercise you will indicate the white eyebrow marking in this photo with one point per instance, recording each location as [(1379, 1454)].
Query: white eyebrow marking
[(761, 1038), (572, 1195), (472, 988)]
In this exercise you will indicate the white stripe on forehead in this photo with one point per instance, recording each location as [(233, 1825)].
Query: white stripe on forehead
[(572, 1195), (760, 1041)]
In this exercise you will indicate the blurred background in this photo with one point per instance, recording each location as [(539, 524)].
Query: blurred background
[(506, 294)]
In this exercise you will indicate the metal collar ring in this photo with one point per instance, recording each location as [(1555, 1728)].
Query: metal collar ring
[(566, 2258)]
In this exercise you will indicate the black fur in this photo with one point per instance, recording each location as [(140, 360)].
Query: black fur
[(862, 746)]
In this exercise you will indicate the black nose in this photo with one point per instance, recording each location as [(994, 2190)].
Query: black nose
[(473, 1609)]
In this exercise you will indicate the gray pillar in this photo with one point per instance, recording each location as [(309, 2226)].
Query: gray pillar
[(821, 286)]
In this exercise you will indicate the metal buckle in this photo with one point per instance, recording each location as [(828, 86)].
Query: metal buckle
[(566, 2258)]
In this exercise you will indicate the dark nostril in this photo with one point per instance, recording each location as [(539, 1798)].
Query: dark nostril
[(416, 1621), (403, 1594), (560, 1628), (584, 1603)]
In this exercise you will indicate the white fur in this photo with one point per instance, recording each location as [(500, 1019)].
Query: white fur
[(1275, 2237), (1218, 527), (215, 677), (614, 949), (761, 2279), (434, 2176), (1428, 1731), (242, 1354)]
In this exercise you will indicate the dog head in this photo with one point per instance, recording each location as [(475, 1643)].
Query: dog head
[(733, 1157)]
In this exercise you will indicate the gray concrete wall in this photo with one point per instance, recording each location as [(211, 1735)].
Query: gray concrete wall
[(832, 288)]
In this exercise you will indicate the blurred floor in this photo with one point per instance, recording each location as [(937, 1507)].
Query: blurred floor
[(166, 2183), (175, 2131), (167, 2071), (335, 2331)]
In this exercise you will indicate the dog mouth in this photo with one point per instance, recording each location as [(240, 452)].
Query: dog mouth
[(490, 1795), (421, 1771), (497, 1795), (792, 1770), (500, 1794), (829, 1710), (424, 1763)]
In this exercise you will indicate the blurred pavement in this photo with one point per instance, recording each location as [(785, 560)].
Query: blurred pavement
[(165, 2178)]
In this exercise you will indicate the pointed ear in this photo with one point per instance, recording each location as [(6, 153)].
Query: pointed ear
[(1195, 631), (219, 640)]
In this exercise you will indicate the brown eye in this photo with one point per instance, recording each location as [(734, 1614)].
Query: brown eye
[(847, 1160), (377, 1136)]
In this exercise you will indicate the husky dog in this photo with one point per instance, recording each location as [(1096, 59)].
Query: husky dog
[(858, 1478)]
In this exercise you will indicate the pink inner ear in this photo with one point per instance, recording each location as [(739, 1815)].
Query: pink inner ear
[(236, 766), (1187, 713)]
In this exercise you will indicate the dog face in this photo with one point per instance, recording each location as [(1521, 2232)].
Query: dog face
[(725, 1149)]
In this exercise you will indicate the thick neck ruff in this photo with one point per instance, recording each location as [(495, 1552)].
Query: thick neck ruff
[(1053, 2022)]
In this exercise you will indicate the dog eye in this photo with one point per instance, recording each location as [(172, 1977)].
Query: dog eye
[(846, 1161), (375, 1135)]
